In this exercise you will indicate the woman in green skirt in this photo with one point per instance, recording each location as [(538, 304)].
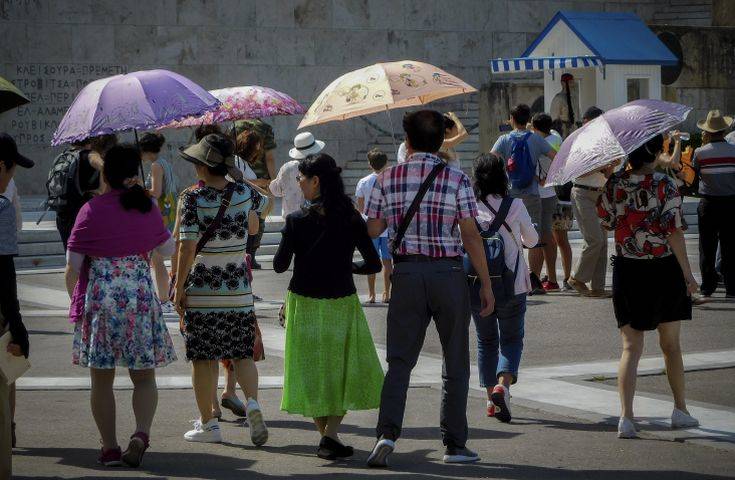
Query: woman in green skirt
[(331, 365)]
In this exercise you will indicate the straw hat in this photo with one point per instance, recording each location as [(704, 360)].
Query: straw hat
[(715, 122), (304, 144)]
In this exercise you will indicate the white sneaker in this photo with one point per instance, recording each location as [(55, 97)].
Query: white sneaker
[(681, 419), (626, 428), (204, 432), (258, 430)]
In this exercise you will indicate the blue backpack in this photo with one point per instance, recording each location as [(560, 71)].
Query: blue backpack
[(521, 169), (502, 278)]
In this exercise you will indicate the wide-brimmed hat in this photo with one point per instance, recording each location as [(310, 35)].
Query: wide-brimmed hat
[(9, 149), (304, 145), (715, 122), (212, 150)]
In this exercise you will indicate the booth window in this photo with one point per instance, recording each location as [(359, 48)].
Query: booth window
[(637, 88)]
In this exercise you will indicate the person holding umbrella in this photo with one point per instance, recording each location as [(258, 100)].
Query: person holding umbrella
[(652, 278)]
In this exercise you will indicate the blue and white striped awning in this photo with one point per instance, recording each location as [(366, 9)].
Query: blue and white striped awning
[(536, 64)]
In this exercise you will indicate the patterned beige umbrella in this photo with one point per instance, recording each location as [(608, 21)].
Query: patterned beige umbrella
[(382, 87)]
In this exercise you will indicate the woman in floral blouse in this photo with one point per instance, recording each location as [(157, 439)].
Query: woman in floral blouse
[(652, 278)]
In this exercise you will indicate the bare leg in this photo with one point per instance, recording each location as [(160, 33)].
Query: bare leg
[(321, 424), (550, 258), (387, 272), (562, 240), (103, 405), (230, 383), (536, 260), (161, 274), (333, 423), (216, 411), (628, 370), (203, 382), (145, 398), (247, 376), (668, 336), (371, 288), (505, 379)]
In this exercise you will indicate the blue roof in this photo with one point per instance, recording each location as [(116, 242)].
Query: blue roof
[(615, 37)]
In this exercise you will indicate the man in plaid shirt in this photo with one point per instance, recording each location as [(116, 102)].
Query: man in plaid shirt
[(428, 282)]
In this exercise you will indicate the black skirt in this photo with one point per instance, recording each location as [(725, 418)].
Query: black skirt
[(647, 292)]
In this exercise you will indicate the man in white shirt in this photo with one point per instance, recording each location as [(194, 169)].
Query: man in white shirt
[(378, 162), (285, 184)]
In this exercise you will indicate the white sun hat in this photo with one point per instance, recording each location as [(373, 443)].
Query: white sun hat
[(304, 145)]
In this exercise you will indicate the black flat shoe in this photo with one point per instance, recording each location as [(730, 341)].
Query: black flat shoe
[(330, 449)]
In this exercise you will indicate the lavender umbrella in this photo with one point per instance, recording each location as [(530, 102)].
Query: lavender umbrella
[(612, 136), (139, 100)]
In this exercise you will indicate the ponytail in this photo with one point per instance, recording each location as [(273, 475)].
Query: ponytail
[(136, 198)]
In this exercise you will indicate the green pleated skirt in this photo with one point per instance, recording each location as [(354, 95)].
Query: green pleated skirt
[(331, 365)]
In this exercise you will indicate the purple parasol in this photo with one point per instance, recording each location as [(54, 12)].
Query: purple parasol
[(612, 136), (139, 100)]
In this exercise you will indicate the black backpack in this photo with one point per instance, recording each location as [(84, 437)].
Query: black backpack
[(503, 278), (62, 186)]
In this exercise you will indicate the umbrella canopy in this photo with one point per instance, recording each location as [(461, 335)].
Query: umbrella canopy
[(381, 87), (613, 135), (10, 96), (139, 100), (242, 103)]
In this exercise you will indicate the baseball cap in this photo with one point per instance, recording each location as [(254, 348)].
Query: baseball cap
[(8, 149)]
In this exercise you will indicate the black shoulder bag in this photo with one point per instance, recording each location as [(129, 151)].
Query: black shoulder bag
[(413, 208)]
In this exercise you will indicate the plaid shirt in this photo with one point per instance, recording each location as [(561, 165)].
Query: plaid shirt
[(433, 230)]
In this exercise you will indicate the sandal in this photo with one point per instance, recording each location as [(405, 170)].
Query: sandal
[(136, 448)]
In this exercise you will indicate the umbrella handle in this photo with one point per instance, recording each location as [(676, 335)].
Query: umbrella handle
[(392, 131), (140, 163)]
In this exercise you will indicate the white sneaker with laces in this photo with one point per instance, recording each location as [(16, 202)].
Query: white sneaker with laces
[(681, 419), (204, 432), (258, 430), (626, 428)]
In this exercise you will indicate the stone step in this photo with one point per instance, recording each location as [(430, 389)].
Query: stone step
[(36, 249)]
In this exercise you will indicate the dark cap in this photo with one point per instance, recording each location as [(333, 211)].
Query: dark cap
[(9, 150)]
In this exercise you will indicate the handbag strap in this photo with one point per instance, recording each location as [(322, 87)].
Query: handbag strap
[(212, 228), (413, 208)]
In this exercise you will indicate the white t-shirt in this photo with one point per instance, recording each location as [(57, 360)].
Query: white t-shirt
[(524, 233), (243, 166), (363, 189), (544, 164), (402, 156), (730, 137)]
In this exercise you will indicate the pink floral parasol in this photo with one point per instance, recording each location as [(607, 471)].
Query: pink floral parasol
[(241, 103)]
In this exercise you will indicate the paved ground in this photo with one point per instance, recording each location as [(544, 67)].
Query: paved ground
[(564, 412)]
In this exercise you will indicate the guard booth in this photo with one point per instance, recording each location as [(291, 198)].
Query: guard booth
[(614, 58)]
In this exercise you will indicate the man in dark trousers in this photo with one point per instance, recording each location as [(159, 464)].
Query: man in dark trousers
[(428, 281), (10, 318)]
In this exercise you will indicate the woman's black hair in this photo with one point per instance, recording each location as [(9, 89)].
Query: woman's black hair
[(338, 207), (122, 163), (542, 122), (647, 152), (203, 130), (151, 142), (489, 177)]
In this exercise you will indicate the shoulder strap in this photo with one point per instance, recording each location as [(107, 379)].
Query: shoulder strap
[(413, 208), (210, 231), (500, 215)]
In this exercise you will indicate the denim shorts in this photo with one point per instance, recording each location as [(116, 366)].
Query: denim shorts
[(381, 246)]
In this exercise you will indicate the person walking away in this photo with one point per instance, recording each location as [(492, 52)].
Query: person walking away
[(10, 317), (500, 334), (264, 166), (652, 278), (542, 126), (212, 292), (109, 333), (714, 164), (428, 279), (377, 161), (285, 184), (521, 149), (161, 185), (74, 179), (331, 365), (592, 263)]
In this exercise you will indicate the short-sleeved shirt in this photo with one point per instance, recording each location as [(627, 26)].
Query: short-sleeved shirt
[(433, 231), (265, 132), (643, 210), (8, 232), (554, 139), (363, 189), (715, 164), (537, 146)]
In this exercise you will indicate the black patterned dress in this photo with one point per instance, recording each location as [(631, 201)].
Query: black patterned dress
[(220, 317)]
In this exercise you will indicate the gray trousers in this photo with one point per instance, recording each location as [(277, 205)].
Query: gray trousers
[(592, 263), (422, 291)]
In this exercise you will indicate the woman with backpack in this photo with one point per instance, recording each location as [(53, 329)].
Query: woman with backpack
[(505, 225)]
